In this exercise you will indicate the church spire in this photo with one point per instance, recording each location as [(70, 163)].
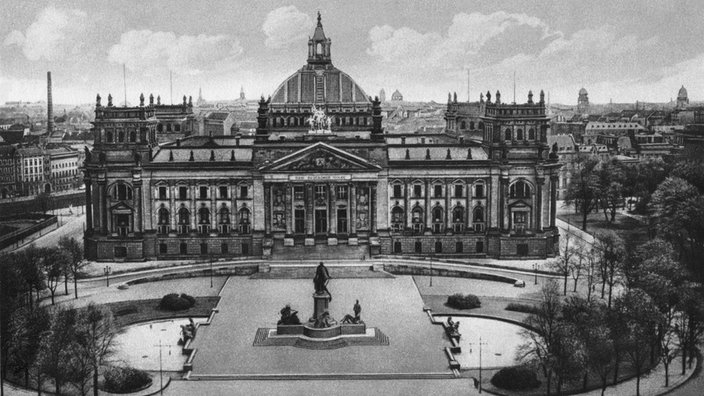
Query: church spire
[(319, 46)]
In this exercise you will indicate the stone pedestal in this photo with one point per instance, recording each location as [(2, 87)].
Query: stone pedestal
[(320, 304), (332, 241), (309, 242), (288, 241)]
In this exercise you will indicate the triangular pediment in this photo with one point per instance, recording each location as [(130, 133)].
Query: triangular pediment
[(320, 157), (121, 207)]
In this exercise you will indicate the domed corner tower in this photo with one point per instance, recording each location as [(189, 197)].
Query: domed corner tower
[(317, 85), (583, 101)]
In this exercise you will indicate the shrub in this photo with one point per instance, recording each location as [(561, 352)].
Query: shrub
[(515, 378), (466, 301), (125, 380), (525, 308), (174, 302)]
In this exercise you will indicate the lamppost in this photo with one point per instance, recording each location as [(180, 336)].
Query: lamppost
[(107, 271), (211, 271), (535, 271), (431, 273)]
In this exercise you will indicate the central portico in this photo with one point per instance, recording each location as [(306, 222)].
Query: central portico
[(320, 194)]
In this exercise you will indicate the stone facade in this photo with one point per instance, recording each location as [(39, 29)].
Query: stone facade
[(487, 189)]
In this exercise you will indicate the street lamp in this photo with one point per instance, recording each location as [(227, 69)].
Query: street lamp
[(535, 271), (107, 270), (211, 271), (480, 361)]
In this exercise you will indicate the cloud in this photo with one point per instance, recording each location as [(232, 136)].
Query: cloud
[(53, 34), (147, 51), (286, 25)]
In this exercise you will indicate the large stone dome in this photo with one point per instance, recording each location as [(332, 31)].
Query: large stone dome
[(318, 81)]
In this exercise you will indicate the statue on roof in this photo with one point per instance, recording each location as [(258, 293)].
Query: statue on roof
[(141, 100), (109, 100), (318, 121), (97, 101)]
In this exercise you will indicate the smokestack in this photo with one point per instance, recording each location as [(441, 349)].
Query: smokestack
[(50, 105)]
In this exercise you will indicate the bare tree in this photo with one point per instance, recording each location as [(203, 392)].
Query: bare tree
[(565, 262), (612, 254), (75, 249), (56, 352), (95, 338), (54, 261)]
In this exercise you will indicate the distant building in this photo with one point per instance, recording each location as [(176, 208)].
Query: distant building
[(31, 171), (8, 171), (682, 99), (596, 131), (573, 128), (217, 123), (382, 96), (64, 164), (583, 102), (242, 97), (175, 121), (200, 102), (567, 151), (396, 96)]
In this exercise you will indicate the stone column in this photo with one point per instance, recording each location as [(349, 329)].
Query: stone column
[(102, 208), (538, 209), (503, 203), (553, 200), (138, 203), (332, 210), (372, 208), (289, 209), (89, 205), (353, 210), (267, 209), (448, 218), (310, 207)]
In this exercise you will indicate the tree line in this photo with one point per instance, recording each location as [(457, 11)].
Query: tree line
[(42, 343), (649, 312)]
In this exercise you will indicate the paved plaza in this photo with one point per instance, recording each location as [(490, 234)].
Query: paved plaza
[(392, 305)]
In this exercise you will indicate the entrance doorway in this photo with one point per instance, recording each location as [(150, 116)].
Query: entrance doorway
[(321, 221), (342, 221), (299, 221)]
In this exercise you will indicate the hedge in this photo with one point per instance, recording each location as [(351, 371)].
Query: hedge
[(174, 302), (125, 380), (525, 308), (466, 301), (515, 378)]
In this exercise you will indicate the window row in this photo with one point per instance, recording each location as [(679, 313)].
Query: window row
[(203, 220), (438, 247), (438, 191), (202, 192), (509, 134), (418, 220), (203, 249), (168, 127)]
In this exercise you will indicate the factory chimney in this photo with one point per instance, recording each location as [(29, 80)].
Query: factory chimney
[(50, 105)]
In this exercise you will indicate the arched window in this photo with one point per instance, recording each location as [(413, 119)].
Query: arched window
[(163, 216), (471, 125), (319, 49), (481, 125), (531, 134), (507, 134), (478, 216), (397, 247), (438, 219), (417, 219), (458, 218), (224, 220), (519, 134), (109, 136), (133, 136), (184, 220), (122, 192), (203, 215), (121, 136), (159, 127), (244, 221), (519, 189), (463, 125), (397, 215)]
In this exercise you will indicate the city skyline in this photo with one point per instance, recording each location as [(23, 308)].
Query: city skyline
[(622, 52)]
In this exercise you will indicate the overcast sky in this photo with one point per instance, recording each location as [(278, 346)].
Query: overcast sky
[(620, 50)]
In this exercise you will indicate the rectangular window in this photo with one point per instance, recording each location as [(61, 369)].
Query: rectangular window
[(458, 191), (223, 248), (479, 191), (203, 192), (398, 191), (341, 192), (320, 193), (459, 248), (342, 221), (480, 247), (298, 192), (417, 190), (522, 249), (437, 191), (162, 192), (299, 221), (418, 248), (183, 193), (244, 191), (203, 248), (163, 249), (223, 192)]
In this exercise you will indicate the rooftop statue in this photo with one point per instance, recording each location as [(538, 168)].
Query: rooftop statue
[(318, 121)]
